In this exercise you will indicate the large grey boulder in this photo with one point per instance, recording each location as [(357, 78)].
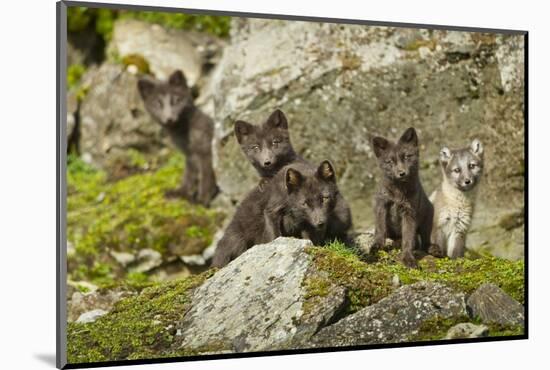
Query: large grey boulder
[(89, 304), (340, 84), (164, 49), (113, 118), (257, 303), (492, 305), (395, 318)]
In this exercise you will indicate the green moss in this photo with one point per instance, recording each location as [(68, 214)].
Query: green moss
[(367, 283), (437, 327), (216, 25), (102, 21), (137, 60), (127, 215), (74, 74), (364, 283), (137, 327)]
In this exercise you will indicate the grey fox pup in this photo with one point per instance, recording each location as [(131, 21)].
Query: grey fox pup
[(269, 149), (454, 199), (297, 202), (402, 209), (171, 105)]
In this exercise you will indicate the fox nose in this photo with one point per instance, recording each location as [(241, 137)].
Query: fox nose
[(402, 173), (320, 224), (267, 163), (467, 181)]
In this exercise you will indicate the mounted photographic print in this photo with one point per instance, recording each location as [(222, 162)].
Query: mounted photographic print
[(237, 185)]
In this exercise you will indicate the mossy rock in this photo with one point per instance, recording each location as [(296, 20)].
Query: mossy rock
[(130, 214), (137, 327), (367, 283)]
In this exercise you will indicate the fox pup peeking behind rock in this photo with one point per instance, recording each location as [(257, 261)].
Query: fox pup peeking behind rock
[(454, 199), (171, 105), (299, 201), (269, 149), (402, 209)]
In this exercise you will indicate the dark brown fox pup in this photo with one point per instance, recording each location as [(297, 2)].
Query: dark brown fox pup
[(455, 198), (402, 209), (171, 105), (299, 201), (268, 148)]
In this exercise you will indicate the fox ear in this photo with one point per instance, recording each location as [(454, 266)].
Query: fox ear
[(380, 145), (242, 129), (177, 78), (326, 171), (409, 137), (476, 147), (293, 180), (277, 119), (444, 156), (145, 87)]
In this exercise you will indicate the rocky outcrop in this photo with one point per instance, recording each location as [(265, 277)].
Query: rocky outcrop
[(113, 118), (257, 303), (395, 318), (164, 49), (492, 305), (86, 306), (467, 330), (339, 85), (284, 295)]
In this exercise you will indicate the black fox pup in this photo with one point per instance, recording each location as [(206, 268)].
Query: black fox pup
[(268, 146), (402, 209), (298, 201), (269, 149), (171, 105)]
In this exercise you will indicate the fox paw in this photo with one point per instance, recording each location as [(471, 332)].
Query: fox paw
[(435, 251), (179, 193), (407, 258), (377, 245)]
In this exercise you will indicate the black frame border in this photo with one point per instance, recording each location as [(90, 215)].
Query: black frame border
[(61, 157)]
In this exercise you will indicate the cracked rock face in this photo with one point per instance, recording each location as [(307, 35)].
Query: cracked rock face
[(256, 303), (492, 305), (395, 318), (341, 84)]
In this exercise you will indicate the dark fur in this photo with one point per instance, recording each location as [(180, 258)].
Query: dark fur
[(171, 105), (267, 146), (269, 149), (299, 201), (402, 209)]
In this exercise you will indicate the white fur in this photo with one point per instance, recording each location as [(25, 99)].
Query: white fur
[(454, 210)]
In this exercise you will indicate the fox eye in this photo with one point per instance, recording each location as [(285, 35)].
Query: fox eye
[(254, 147), (472, 166), (276, 141), (456, 170), (389, 161), (175, 99)]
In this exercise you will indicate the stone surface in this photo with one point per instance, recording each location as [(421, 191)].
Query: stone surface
[(81, 303), (492, 305), (256, 303), (123, 258), (164, 49), (146, 260), (113, 118), (395, 318), (467, 330), (339, 85), (90, 316)]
